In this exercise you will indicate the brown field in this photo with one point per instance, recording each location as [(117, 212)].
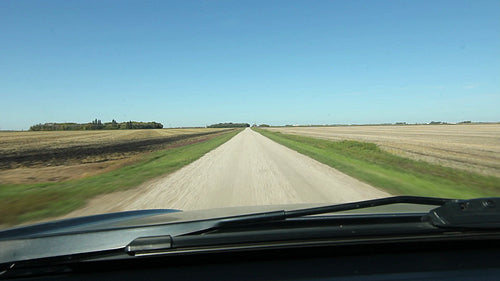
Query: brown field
[(472, 147), (30, 157), (27, 140)]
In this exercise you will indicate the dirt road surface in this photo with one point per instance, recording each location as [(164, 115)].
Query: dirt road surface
[(247, 170)]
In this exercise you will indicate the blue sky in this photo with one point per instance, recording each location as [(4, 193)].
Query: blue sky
[(193, 63)]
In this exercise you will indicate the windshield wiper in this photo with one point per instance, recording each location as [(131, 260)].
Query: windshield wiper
[(450, 213), (283, 215), (472, 213), (367, 204)]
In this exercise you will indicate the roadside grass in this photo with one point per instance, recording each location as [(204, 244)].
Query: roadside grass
[(394, 174), (25, 202)]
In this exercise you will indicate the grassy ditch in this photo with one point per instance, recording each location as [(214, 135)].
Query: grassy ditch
[(26, 202), (397, 175)]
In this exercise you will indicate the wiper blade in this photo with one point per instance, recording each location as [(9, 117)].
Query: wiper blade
[(343, 207), (474, 213), (283, 215), (145, 245), (368, 204)]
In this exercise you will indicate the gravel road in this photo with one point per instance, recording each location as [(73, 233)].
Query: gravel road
[(247, 170)]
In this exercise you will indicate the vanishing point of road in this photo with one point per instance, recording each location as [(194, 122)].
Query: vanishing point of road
[(247, 170)]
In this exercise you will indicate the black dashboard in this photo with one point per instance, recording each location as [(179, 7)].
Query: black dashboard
[(450, 260)]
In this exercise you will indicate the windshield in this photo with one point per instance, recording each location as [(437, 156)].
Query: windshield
[(112, 106)]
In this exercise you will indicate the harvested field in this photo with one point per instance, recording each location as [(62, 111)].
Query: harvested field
[(27, 140), (33, 157), (472, 147), (65, 147)]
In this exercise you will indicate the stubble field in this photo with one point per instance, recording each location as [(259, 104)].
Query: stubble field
[(54, 156), (471, 147)]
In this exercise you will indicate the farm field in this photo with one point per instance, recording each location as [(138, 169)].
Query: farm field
[(53, 156), (17, 142), (472, 147)]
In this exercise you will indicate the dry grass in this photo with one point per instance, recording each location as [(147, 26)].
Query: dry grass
[(473, 147)]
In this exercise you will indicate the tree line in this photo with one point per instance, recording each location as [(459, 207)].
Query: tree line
[(96, 125), (229, 125)]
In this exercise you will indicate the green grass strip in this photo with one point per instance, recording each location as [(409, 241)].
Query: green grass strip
[(397, 175), (25, 202)]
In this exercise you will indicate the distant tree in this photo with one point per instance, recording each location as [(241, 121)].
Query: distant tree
[(113, 125), (37, 127), (229, 125), (96, 124)]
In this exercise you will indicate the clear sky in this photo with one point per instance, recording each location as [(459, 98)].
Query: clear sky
[(193, 63)]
